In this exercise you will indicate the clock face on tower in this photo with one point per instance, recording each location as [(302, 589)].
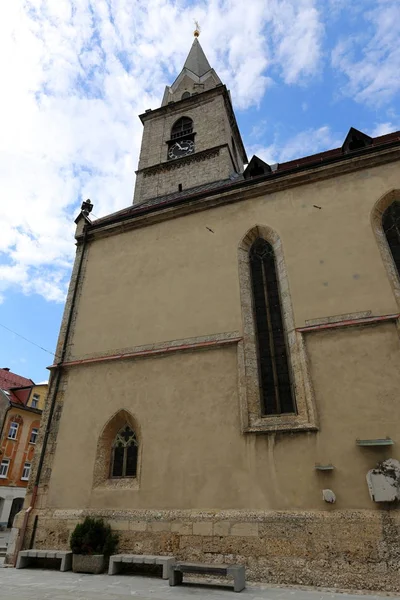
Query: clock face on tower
[(180, 149)]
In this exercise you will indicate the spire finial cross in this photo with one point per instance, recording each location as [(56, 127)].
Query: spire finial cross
[(196, 32)]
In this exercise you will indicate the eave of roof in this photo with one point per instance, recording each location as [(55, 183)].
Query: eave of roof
[(308, 162), (26, 408)]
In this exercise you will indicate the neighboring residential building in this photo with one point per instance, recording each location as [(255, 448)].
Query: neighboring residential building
[(228, 361), (21, 408), (37, 396)]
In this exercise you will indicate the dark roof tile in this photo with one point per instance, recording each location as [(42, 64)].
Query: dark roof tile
[(215, 186)]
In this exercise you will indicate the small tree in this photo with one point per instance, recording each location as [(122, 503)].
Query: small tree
[(93, 536)]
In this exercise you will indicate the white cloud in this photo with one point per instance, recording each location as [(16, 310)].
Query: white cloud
[(381, 129), (370, 60), (76, 74), (259, 130), (304, 143), (297, 36)]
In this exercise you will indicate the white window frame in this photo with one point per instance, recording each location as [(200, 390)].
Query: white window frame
[(35, 399), (13, 429), (4, 463), (27, 468), (34, 433)]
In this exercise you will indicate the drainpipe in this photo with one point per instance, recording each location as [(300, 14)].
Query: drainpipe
[(56, 377)]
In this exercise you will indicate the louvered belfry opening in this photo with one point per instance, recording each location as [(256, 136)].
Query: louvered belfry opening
[(274, 372), (391, 227), (182, 127)]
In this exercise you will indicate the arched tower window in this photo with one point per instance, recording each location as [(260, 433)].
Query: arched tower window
[(391, 228), (124, 453), (235, 155), (182, 127), (274, 372), (185, 95)]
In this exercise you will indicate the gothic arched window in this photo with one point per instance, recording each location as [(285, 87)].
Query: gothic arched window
[(182, 127), (391, 227), (274, 371), (124, 453)]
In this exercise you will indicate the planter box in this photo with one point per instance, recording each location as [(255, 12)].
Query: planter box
[(88, 563)]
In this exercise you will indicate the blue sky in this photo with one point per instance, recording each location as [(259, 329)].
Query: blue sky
[(78, 73)]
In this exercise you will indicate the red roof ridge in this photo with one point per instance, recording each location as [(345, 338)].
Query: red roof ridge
[(8, 380)]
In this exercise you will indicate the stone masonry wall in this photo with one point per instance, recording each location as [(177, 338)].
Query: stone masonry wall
[(206, 167), (349, 549)]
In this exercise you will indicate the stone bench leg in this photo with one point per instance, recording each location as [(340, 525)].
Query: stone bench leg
[(166, 566), (66, 562), (113, 567), (175, 577), (22, 561), (239, 580)]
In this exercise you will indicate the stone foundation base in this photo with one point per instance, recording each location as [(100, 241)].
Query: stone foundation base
[(342, 549)]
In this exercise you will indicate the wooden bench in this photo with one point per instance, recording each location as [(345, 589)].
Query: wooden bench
[(140, 559), (236, 571), (25, 557)]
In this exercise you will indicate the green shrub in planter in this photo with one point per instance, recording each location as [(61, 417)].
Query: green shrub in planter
[(90, 542)]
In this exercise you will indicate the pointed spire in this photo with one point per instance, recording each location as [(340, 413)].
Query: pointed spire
[(194, 76), (196, 61)]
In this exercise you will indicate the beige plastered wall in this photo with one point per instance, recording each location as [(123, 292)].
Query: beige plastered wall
[(177, 280), (205, 490), (193, 454)]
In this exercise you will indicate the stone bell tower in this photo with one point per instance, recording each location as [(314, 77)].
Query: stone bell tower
[(193, 139)]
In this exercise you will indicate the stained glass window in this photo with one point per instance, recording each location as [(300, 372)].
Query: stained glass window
[(273, 364), (391, 227), (124, 453)]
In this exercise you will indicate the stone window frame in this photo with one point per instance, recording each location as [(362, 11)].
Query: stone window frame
[(376, 222), (102, 478), (252, 420)]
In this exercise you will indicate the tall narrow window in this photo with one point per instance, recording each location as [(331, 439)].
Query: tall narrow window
[(274, 372), (125, 453), (12, 433), (5, 463), (235, 155), (26, 471), (35, 400), (391, 227), (34, 434)]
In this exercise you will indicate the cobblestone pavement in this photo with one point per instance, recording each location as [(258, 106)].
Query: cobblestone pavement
[(38, 584)]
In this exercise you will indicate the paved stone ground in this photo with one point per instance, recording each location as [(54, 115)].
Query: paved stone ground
[(38, 584)]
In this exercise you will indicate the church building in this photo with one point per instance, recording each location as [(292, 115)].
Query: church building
[(226, 387)]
